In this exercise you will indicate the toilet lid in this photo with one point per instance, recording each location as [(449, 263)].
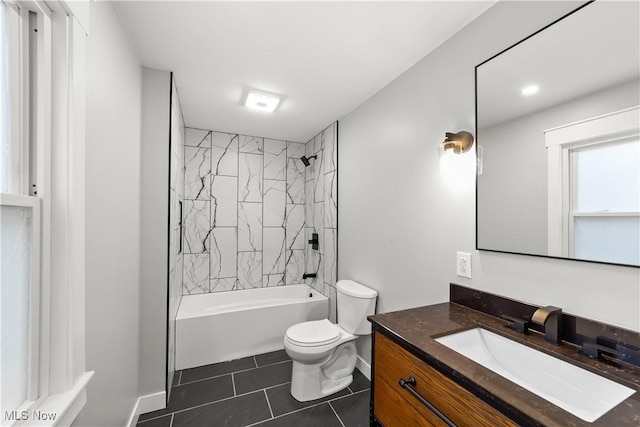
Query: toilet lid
[(313, 333)]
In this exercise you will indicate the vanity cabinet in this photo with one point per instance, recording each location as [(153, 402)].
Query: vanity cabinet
[(409, 392)]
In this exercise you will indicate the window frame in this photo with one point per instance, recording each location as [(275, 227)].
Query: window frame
[(28, 142), (15, 47), (562, 142), (573, 212)]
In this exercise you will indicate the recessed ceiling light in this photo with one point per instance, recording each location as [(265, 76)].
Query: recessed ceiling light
[(263, 101), (530, 90)]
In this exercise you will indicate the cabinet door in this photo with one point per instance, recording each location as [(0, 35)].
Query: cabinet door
[(393, 363), (394, 409)]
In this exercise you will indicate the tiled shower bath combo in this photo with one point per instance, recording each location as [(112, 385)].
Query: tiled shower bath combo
[(250, 209)]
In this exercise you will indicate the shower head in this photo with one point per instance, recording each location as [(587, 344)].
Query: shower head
[(306, 159)]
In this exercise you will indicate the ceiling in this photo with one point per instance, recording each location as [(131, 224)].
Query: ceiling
[(594, 49), (325, 57)]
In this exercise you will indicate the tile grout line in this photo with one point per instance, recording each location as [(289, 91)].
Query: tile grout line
[(233, 382), (310, 406), (277, 385), (268, 403), (250, 392), (234, 372), (235, 394), (336, 414), (140, 422), (219, 400), (368, 389), (254, 391), (171, 423), (201, 405), (288, 413), (266, 388)]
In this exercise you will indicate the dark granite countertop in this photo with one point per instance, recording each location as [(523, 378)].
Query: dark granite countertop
[(417, 329)]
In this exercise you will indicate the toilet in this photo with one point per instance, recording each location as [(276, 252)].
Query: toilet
[(324, 354)]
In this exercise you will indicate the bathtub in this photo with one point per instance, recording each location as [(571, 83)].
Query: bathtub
[(222, 326)]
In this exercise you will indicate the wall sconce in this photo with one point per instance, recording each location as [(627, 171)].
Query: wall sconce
[(450, 164), (457, 143)]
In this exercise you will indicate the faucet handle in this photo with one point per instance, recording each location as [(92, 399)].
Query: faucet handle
[(518, 324), (542, 314)]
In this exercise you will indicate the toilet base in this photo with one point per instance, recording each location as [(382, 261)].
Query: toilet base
[(329, 376)]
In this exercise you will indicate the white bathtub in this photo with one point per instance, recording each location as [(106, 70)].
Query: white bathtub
[(222, 326)]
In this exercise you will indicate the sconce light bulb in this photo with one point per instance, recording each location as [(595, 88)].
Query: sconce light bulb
[(457, 143)]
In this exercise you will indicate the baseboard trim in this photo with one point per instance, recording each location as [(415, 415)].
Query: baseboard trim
[(363, 367), (147, 403)]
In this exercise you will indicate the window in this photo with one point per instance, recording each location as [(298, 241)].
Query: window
[(42, 369), (19, 303), (594, 188), (19, 216), (604, 219)]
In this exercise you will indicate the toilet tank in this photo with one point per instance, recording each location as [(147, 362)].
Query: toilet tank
[(355, 303)]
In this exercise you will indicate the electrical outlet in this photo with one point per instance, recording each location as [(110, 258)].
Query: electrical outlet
[(463, 264)]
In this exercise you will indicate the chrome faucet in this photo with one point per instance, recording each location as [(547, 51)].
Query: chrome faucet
[(551, 318)]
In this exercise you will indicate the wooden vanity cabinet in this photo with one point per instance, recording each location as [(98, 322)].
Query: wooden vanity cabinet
[(394, 405)]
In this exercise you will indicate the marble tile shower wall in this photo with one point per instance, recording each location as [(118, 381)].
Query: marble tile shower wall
[(321, 213), (250, 208), (244, 212)]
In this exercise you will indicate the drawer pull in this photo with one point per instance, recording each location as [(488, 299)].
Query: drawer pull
[(409, 384)]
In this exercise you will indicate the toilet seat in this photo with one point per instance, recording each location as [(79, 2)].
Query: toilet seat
[(315, 333)]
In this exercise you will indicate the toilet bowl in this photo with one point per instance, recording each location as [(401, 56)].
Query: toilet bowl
[(324, 354)]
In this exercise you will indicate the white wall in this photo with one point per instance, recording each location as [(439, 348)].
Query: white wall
[(401, 222), (154, 239), (112, 220)]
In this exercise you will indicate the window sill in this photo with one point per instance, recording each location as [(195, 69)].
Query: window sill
[(60, 409)]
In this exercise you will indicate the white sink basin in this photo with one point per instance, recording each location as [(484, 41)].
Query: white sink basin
[(582, 393)]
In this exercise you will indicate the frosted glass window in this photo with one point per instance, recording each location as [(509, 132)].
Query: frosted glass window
[(608, 178), (15, 262), (608, 238)]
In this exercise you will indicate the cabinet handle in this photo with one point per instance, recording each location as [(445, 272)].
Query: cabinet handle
[(409, 384)]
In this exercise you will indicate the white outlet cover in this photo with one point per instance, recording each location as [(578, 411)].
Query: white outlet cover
[(463, 264)]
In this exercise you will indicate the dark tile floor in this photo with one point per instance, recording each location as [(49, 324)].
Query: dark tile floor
[(255, 391)]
